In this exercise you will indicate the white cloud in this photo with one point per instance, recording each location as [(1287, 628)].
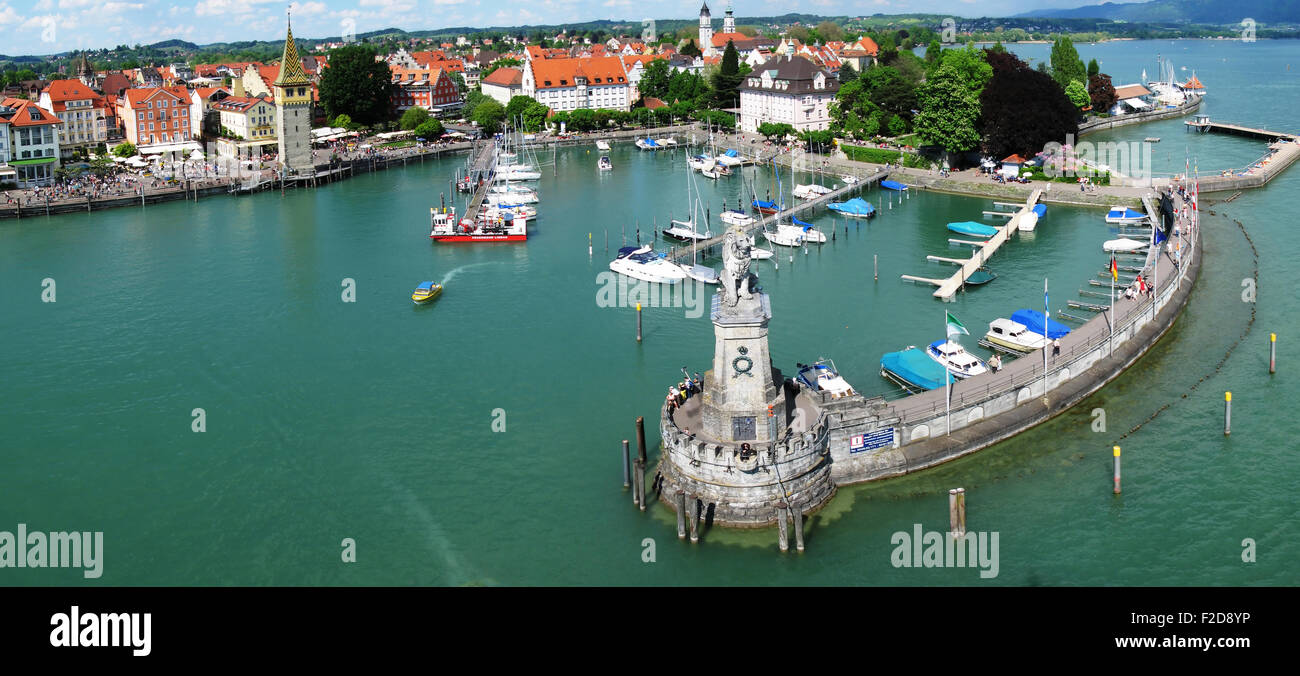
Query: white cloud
[(8, 15), (448, 2)]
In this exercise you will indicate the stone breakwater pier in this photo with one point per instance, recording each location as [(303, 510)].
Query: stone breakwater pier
[(753, 447)]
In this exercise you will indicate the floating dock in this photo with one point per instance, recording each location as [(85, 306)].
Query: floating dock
[(949, 287)]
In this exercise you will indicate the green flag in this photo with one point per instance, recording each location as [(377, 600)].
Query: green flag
[(954, 327)]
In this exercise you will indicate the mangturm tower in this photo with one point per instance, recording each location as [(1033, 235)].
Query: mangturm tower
[(293, 109)]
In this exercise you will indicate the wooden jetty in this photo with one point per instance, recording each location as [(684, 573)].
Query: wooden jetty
[(703, 246), (949, 287), (482, 170)]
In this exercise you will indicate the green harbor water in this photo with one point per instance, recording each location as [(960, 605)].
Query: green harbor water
[(476, 441)]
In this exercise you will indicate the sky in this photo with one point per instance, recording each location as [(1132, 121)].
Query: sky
[(55, 26)]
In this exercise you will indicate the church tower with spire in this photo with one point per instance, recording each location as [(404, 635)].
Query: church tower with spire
[(293, 109), (729, 22), (706, 29)]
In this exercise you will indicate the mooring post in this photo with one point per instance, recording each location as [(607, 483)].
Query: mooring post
[(695, 518), (875, 267), (1116, 451), (681, 514), (952, 510), (627, 469), (961, 511), (797, 515), (640, 439), (638, 322), (783, 538), (1272, 353), (640, 484), (1227, 413)]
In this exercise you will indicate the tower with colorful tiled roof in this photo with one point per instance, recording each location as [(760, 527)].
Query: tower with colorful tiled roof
[(293, 109)]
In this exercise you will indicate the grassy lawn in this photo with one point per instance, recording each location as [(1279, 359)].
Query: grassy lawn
[(397, 144)]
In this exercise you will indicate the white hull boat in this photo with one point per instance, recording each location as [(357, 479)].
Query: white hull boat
[(811, 191), (736, 218), (520, 175), (684, 231), (822, 376), (511, 198), (960, 363), (605, 164), (602, 145), (644, 264), (700, 273), (793, 235), (1123, 245), (1014, 336)]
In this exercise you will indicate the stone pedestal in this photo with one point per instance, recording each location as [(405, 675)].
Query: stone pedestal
[(743, 399)]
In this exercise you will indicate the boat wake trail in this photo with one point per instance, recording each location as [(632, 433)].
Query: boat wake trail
[(451, 275)]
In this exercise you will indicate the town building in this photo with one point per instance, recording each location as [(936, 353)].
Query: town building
[(80, 110), (31, 146), (787, 89), (503, 84), (156, 115), (431, 89), (564, 84)]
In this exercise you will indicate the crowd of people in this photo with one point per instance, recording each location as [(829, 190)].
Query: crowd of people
[(683, 390)]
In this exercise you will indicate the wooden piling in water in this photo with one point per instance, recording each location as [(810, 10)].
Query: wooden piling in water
[(797, 516), (681, 514), (640, 484), (695, 518), (627, 465), (952, 510), (640, 439), (1272, 353), (961, 511), (783, 538)]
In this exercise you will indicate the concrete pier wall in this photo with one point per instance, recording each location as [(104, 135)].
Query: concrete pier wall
[(1139, 118)]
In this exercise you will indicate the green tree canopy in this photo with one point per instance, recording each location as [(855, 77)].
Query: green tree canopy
[(124, 149), (356, 85), (430, 130), (343, 121), (655, 78), (949, 110), (1101, 92), (1093, 68), (775, 131), (489, 115), (933, 50), (1066, 64), (1077, 92), (726, 82), (413, 117), (830, 31)]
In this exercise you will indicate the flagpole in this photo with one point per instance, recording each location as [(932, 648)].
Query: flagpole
[(1112, 303), (947, 393), (1046, 310)]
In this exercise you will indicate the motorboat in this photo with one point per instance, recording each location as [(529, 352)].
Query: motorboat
[(810, 192), (515, 193), (973, 228), (668, 142), (796, 234), (733, 217), (1014, 336), (1040, 210), (645, 264), (700, 162), (822, 376), (955, 358), (854, 208), (913, 370), (602, 145), (1124, 215), (426, 292), (849, 178), (604, 164), (1123, 245), (730, 158), (518, 175), (893, 185), (1034, 321), (684, 231), (980, 276), (517, 209), (648, 144), (712, 172)]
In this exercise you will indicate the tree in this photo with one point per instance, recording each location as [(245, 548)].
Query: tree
[(654, 79), (1093, 68), (968, 65), (489, 114), (357, 85), (949, 111), (342, 121), (775, 131), (830, 31), (748, 31), (933, 50), (799, 33), (690, 49), (413, 117), (889, 90), (124, 149), (1077, 92), (1066, 64), (726, 82), (1010, 126), (430, 130), (897, 126), (1101, 93), (818, 141)]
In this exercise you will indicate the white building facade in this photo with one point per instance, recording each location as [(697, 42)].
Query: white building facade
[(790, 90)]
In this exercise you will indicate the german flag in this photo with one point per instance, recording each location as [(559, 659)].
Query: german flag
[(1114, 269)]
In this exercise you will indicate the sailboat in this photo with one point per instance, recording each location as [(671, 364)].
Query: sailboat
[(794, 234), (686, 231)]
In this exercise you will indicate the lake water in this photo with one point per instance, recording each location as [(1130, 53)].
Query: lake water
[(374, 420)]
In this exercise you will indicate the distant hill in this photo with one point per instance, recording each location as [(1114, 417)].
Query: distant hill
[(1214, 12)]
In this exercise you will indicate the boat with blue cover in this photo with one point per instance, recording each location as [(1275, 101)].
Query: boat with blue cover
[(854, 208), (1040, 210), (913, 370), (766, 207), (973, 228), (1124, 215), (1033, 320), (893, 185)]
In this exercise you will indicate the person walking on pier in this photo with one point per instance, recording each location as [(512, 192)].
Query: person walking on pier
[(1056, 348)]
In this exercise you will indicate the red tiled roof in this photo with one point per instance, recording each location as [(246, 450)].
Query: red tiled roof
[(24, 111), (505, 77), (1014, 159), (652, 103), (135, 97), (62, 91), (239, 104), (720, 39), (645, 59), (207, 92), (599, 70)]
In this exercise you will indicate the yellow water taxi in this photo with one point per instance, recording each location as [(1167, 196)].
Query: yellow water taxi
[(426, 292)]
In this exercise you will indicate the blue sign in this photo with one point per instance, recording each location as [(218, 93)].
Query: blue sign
[(871, 441)]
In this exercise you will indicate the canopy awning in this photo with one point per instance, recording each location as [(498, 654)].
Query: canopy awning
[(39, 160), (1136, 103), (169, 148)]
